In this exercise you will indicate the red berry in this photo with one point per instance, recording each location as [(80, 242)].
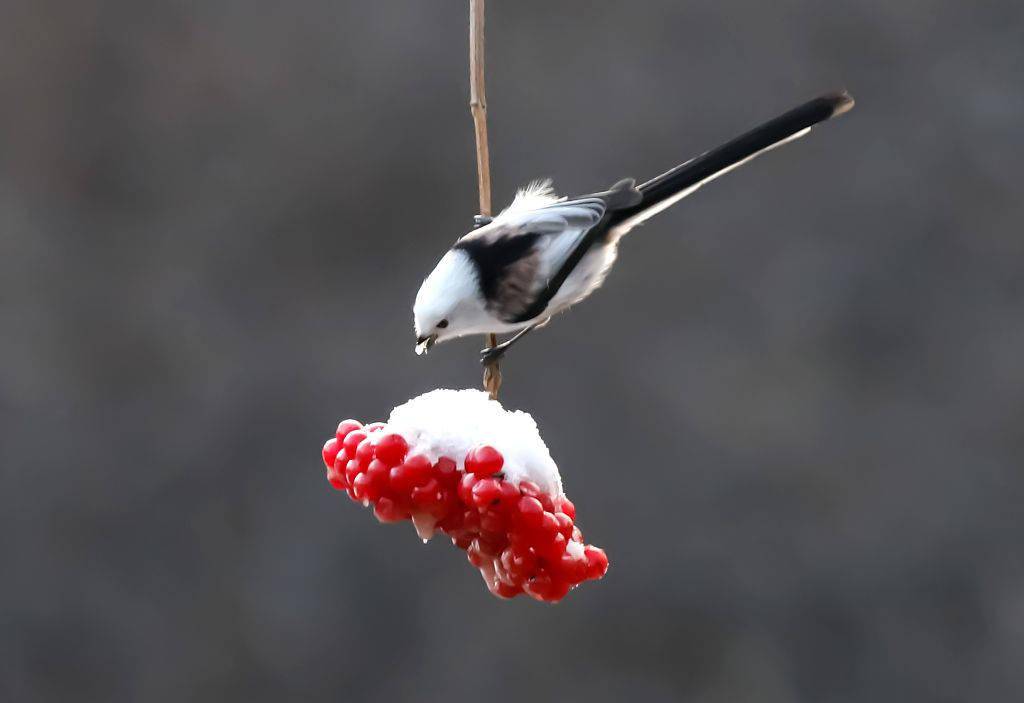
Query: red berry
[(493, 521), (597, 562), (485, 492), (548, 523), (341, 461), (529, 488), (491, 544), (566, 506), (505, 590), (414, 472), (444, 502), (330, 452), (475, 554), (447, 472), (564, 525), (462, 540), (553, 548), (345, 427), (449, 499), (518, 562), (337, 480), (352, 469), (391, 449), (572, 569), (471, 520), (401, 479), (352, 440), (484, 461), (530, 511), (509, 494), (521, 539), (546, 588), (559, 589), (364, 452), (427, 495), (419, 468), (451, 523), (465, 489), (386, 510), (378, 472), (365, 488)]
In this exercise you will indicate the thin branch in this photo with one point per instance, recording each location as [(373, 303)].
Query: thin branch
[(478, 108), (478, 102)]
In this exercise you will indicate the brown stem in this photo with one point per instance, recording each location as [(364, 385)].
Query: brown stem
[(478, 108)]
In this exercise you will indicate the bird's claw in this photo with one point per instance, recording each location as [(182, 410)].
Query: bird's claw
[(491, 355)]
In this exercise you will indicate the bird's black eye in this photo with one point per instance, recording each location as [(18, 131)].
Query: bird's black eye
[(442, 324)]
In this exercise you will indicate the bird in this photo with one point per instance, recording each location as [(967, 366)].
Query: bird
[(544, 253)]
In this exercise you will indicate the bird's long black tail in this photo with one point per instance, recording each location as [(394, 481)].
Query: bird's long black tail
[(630, 205), (665, 190)]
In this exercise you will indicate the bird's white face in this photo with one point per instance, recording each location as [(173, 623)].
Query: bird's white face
[(449, 303)]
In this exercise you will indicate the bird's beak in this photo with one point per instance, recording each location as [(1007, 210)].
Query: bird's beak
[(423, 344)]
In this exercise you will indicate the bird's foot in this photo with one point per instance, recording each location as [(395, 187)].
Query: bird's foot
[(481, 220), (492, 355)]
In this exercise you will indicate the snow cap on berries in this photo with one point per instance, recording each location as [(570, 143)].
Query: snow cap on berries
[(453, 423), (507, 512)]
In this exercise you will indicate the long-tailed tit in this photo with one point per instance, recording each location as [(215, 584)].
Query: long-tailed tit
[(543, 253)]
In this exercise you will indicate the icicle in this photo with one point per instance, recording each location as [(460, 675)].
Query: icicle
[(424, 525)]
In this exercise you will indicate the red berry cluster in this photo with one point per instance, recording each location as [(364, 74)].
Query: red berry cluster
[(521, 539)]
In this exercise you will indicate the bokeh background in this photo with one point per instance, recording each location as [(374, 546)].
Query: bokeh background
[(794, 416)]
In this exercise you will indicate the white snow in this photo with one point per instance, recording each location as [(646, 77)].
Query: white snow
[(450, 423), (575, 549)]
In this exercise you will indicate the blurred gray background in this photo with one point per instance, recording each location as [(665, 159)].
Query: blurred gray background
[(794, 416)]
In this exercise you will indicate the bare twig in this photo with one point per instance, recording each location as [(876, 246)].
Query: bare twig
[(478, 102), (478, 108)]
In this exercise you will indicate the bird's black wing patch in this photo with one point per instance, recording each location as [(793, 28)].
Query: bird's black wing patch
[(495, 257), (508, 262), (516, 290)]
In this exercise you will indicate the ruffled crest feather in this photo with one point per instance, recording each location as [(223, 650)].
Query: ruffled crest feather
[(536, 194)]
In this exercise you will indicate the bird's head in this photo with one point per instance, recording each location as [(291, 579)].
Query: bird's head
[(449, 303)]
